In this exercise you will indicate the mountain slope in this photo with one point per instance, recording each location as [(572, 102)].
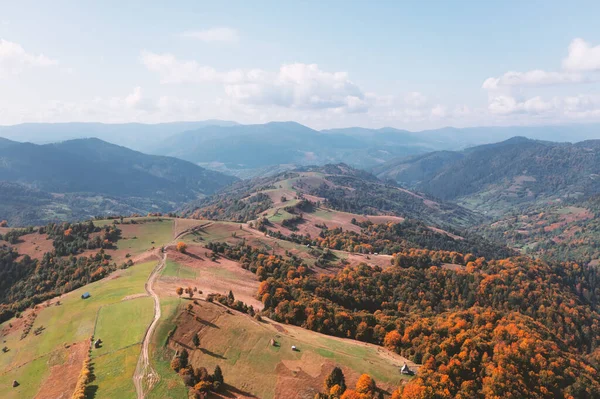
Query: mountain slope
[(339, 187), (495, 177), (91, 167), (254, 146)]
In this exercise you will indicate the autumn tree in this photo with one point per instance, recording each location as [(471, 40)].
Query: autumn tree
[(4, 223), (366, 385), (181, 247), (336, 377), (176, 364), (218, 375), (203, 386), (392, 339), (179, 291)]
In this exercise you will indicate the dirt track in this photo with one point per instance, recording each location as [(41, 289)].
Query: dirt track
[(144, 373), (145, 377)]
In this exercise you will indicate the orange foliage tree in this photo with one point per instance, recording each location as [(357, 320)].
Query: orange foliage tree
[(181, 247)]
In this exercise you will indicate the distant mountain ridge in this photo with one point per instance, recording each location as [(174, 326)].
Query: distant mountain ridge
[(138, 136), (84, 168), (515, 171), (252, 150)]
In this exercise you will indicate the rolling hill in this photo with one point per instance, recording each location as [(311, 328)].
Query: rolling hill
[(339, 187), (89, 176)]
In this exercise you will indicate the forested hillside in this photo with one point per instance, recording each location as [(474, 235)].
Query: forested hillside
[(79, 179), (482, 328), (25, 282), (496, 178)]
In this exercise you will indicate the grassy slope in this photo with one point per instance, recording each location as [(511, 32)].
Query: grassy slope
[(174, 269), (139, 237), (114, 374), (72, 321), (240, 346), (170, 385)]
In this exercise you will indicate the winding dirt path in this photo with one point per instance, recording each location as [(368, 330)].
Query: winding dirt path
[(145, 376)]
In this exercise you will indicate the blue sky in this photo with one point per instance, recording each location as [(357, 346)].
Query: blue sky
[(405, 64)]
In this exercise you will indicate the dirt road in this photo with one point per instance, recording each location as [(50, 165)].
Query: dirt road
[(145, 376)]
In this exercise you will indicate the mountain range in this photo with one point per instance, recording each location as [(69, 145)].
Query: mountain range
[(252, 150), (497, 177), (87, 177)]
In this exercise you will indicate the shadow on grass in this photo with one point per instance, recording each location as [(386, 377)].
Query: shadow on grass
[(209, 353), (228, 391)]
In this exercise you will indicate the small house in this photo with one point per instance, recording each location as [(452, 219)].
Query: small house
[(15, 383), (406, 370), (98, 343), (294, 348), (85, 295)]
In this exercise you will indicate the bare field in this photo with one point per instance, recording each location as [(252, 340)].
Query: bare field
[(210, 277), (35, 245), (65, 366)]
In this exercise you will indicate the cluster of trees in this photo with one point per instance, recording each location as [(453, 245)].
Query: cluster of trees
[(12, 236), (237, 208), (181, 247), (291, 223), (259, 262), (73, 238), (390, 238), (198, 379), (230, 301), (335, 387)]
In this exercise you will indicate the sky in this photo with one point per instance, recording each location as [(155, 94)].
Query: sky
[(326, 64)]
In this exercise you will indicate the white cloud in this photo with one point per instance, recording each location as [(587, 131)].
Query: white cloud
[(557, 108), (14, 59), (303, 86), (532, 78), (221, 34), (298, 85), (582, 57), (439, 111)]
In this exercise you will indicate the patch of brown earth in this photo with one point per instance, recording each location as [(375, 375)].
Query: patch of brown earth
[(383, 261), (218, 277), (35, 245), (62, 380)]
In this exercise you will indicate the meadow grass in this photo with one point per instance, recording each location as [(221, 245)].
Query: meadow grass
[(147, 235), (174, 269), (123, 324), (29, 376), (241, 347), (114, 374), (73, 321), (170, 384)]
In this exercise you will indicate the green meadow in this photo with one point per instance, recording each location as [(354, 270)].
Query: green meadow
[(73, 321)]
